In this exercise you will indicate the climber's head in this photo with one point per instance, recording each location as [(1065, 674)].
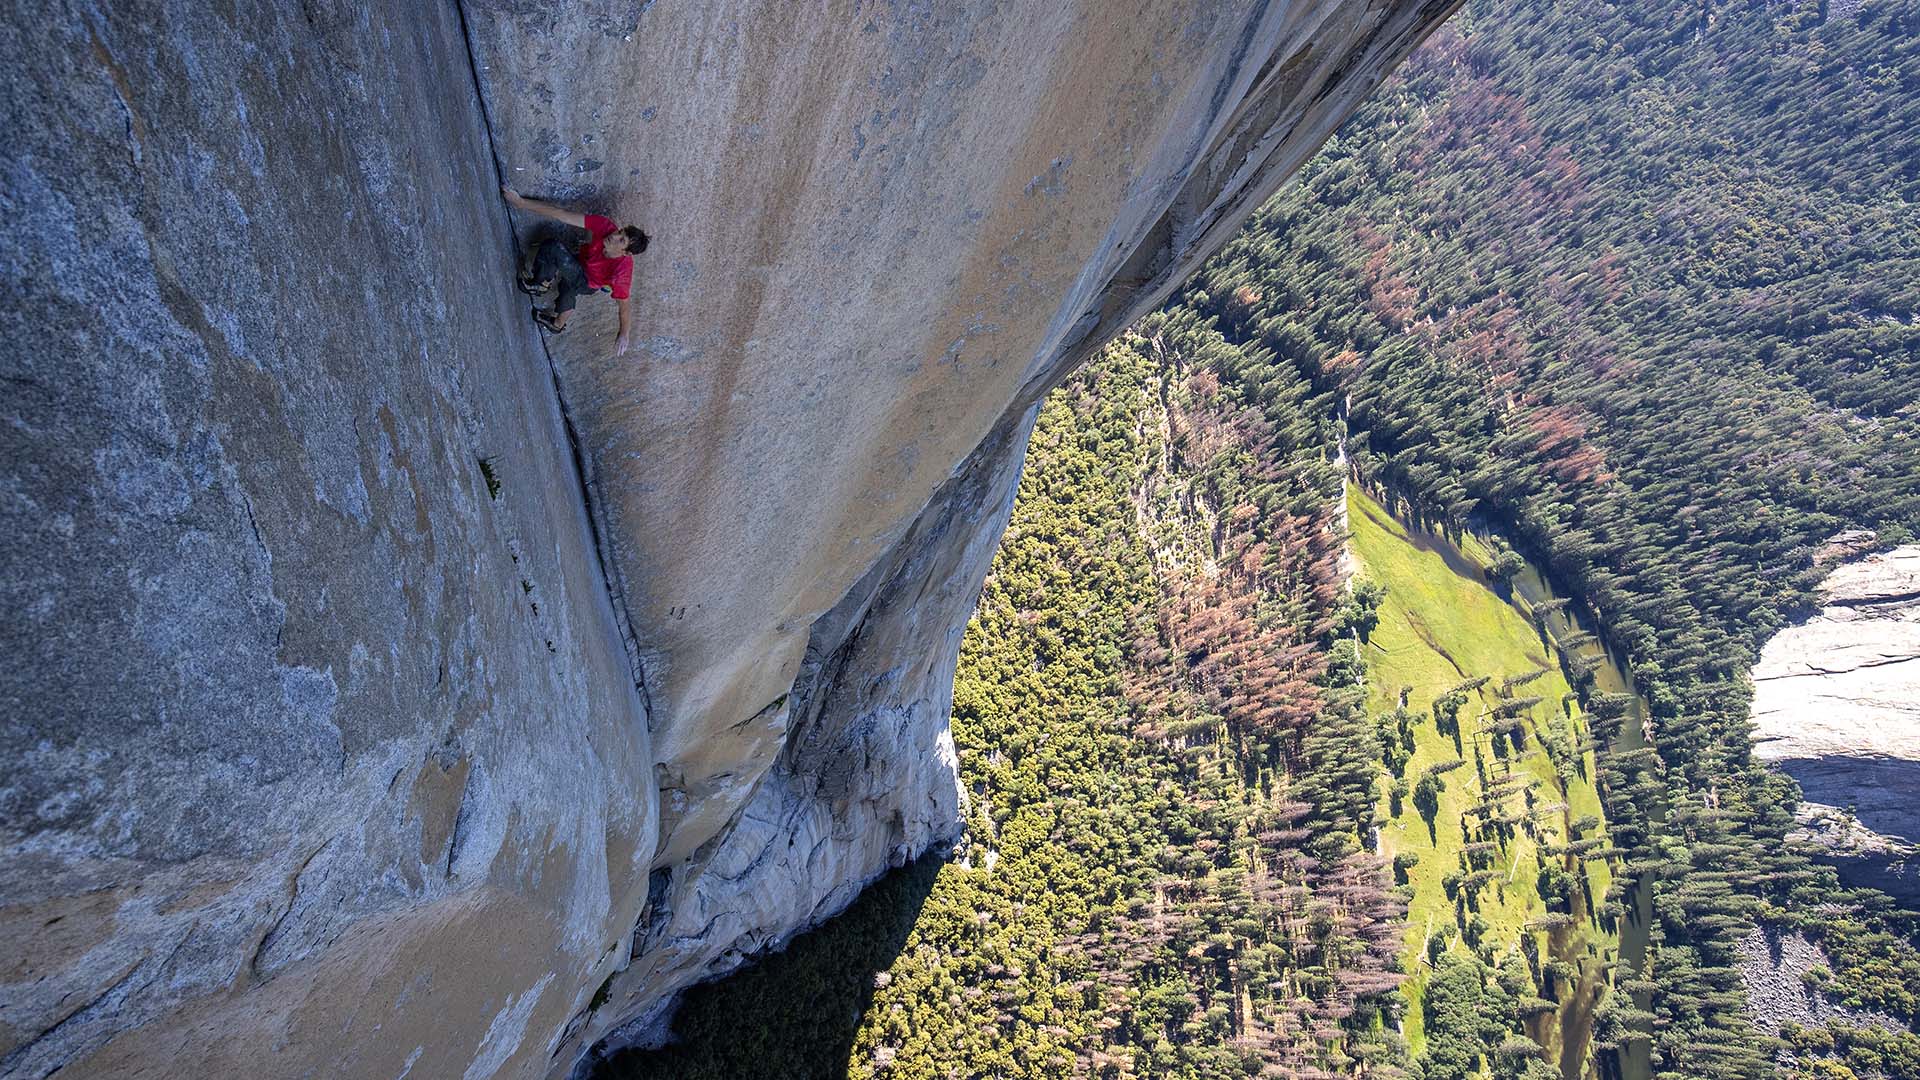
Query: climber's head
[(626, 240)]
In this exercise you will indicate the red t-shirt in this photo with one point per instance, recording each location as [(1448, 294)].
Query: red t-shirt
[(601, 270)]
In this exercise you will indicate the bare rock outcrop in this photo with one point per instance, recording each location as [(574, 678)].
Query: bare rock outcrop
[(390, 696), (1837, 707)]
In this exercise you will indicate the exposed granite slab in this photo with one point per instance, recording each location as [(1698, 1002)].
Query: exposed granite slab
[(1837, 707), (324, 758), (319, 757)]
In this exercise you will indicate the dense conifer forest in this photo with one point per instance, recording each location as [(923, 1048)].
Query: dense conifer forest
[(1635, 287), (1172, 774), (1639, 285)]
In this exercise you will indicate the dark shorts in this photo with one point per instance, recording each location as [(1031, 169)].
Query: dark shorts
[(554, 261)]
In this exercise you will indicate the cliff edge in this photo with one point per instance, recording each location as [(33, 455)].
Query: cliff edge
[(1836, 706), (394, 696)]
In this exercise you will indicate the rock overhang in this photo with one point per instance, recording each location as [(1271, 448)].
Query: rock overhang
[(342, 723)]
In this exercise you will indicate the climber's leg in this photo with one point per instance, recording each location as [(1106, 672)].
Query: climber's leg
[(554, 266), (541, 271), (570, 281)]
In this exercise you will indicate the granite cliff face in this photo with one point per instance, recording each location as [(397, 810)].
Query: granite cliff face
[(1837, 707), (392, 696)]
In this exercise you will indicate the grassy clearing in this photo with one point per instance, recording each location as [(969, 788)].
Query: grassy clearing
[(1440, 625)]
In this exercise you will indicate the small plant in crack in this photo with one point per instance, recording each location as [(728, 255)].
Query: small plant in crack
[(601, 996), (492, 478)]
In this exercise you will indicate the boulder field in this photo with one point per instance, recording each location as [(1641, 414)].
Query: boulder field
[(394, 693)]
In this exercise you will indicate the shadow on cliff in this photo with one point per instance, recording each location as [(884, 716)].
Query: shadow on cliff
[(795, 1013), (1884, 792)]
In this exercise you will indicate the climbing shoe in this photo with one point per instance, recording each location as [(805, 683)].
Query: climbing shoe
[(546, 321), (532, 287)]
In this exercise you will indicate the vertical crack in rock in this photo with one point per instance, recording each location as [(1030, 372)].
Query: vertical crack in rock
[(258, 963), (1277, 82), (104, 1002), (878, 248), (258, 579), (581, 453)]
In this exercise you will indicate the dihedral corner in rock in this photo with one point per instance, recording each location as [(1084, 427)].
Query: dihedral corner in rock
[(385, 701)]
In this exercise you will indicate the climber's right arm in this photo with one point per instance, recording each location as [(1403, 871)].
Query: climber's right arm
[(545, 210)]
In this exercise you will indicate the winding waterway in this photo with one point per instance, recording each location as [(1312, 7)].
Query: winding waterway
[(1531, 591)]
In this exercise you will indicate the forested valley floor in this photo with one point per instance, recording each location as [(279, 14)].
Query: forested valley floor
[(1635, 288), (1172, 772)]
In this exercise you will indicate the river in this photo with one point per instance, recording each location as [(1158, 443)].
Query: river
[(1530, 589)]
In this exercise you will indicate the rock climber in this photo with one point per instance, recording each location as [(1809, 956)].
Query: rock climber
[(605, 261)]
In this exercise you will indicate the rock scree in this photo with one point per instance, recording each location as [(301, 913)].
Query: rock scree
[(1774, 962), (395, 694)]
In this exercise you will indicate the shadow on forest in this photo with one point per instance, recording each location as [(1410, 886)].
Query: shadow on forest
[(793, 1014)]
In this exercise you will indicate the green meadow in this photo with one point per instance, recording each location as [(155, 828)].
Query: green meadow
[(1503, 801)]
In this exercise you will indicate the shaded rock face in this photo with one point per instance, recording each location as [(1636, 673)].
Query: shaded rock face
[(881, 232), (316, 752), (1837, 707), (390, 696)]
